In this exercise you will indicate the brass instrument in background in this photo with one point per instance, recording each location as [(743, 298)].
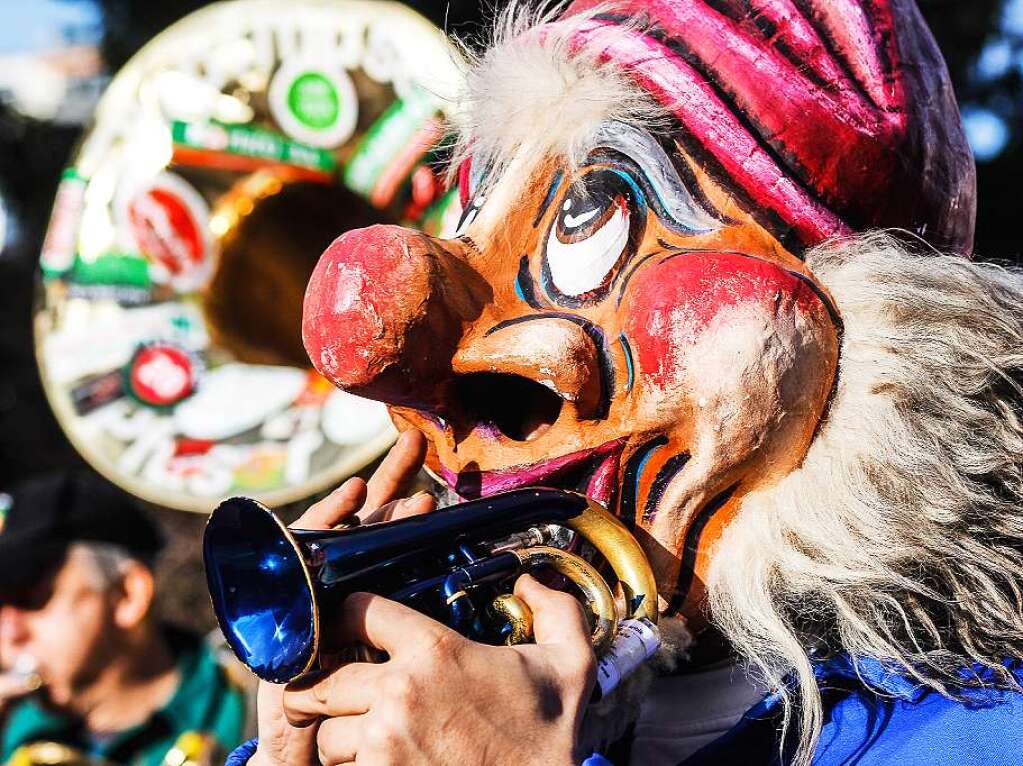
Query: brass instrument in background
[(225, 156), (52, 754), (275, 590), (192, 748)]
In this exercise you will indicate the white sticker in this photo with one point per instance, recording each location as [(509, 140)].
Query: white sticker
[(236, 397), (168, 220), (349, 420), (633, 643), (314, 101), (301, 449), (59, 247)]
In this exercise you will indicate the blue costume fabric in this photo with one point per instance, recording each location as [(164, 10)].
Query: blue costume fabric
[(241, 754), (875, 717)]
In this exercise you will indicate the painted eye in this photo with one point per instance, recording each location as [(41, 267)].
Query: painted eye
[(591, 232)]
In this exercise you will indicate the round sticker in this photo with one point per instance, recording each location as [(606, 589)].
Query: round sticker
[(313, 100), (161, 374), (314, 103), (169, 221)]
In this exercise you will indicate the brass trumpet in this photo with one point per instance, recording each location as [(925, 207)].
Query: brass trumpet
[(275, 589)]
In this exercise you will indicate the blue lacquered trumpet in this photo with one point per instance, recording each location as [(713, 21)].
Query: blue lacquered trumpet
[(276, 590)]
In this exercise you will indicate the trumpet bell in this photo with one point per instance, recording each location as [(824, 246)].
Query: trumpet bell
[(261, 590)]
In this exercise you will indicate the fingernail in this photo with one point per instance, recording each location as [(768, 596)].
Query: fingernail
[(526, 580), (346, 485), (421, 494)]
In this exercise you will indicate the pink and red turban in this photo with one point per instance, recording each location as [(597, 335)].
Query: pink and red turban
[(825, 116)]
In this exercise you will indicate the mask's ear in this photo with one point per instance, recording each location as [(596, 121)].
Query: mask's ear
[(136, 595)]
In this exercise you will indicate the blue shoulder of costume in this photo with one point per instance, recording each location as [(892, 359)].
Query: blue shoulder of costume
[(876, 717)]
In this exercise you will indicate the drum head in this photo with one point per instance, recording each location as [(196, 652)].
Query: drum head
[(224, 158)]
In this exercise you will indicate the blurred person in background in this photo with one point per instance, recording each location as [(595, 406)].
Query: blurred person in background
[(89, 671)]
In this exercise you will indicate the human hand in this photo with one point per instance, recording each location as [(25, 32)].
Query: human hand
[(443, 699), (280, 743)]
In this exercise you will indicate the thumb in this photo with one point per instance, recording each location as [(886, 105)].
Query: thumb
[(280, 743), (558, 617)]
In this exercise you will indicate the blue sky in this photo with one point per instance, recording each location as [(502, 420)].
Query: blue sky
[(35, 25)]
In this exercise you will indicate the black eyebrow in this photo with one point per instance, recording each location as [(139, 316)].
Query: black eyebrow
[(524, 286), (549, 198), (687, 175)]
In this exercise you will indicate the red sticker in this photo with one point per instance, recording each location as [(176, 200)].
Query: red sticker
[(169, 222), (161, 375)]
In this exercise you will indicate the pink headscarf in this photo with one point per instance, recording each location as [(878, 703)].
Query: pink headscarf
[(827, 116)]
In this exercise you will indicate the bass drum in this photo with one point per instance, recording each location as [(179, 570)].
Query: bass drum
[(224, 158)]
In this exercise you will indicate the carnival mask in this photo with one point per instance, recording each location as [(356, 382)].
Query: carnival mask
[(631, 318)]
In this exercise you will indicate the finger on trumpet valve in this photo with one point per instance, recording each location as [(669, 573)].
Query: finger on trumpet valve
[(518, 619), (595, 590)]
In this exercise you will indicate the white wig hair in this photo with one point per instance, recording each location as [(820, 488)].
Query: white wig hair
[(535, 91), (900, 537)]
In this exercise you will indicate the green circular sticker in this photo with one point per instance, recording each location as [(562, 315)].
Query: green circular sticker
[(314, 101)]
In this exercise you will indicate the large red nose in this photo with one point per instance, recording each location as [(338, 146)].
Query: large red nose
[(383, 313)]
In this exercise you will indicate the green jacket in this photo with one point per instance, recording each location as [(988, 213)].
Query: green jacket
[(206, 702)]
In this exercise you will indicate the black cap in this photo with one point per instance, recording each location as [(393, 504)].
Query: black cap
[(45, 515)]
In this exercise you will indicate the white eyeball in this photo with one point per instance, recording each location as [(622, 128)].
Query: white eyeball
[(590, 234)]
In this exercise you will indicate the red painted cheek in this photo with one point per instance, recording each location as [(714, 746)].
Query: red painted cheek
[(672, 301)]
